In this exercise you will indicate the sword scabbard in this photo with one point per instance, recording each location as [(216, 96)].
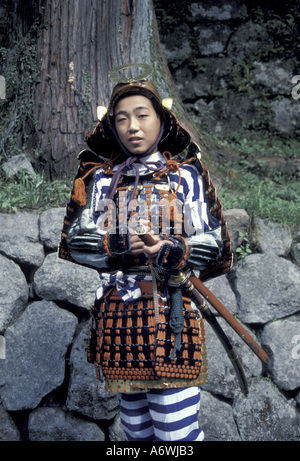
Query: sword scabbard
[(195, 296), (230, 319)]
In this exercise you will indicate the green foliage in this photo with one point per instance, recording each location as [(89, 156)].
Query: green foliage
[(265, 198), (241, 77), (251, 185), (19, 66), (28, 192), (281, 21), (252, 143), (170, 14), (244, 248)]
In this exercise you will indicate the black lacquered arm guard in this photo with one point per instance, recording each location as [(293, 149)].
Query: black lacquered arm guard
[(87, 249), (204, 250), (117, 243)]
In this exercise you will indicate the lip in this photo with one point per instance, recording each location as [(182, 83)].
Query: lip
[(135, 140)]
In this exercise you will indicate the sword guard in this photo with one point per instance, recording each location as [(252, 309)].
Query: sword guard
[(179, 278)]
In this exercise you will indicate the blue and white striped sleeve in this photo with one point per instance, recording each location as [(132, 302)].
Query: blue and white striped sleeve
[(201, 231)]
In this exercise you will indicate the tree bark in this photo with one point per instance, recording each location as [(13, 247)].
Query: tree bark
[(77, 43), (80, 42)]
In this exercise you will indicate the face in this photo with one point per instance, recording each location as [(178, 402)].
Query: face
[(137, 124)]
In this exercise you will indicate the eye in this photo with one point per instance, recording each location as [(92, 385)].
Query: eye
[(120, 120)]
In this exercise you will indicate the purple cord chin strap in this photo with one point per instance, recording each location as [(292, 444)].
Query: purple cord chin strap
[(134, 161)]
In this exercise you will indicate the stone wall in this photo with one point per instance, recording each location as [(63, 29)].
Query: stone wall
[(48, 390), (233, 62)]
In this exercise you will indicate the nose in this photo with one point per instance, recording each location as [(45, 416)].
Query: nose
[(133, 125)]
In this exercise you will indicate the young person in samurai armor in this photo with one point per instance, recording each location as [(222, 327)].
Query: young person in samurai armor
[(147, 338)]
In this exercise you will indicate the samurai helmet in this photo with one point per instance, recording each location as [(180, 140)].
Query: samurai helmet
[(103, 141)]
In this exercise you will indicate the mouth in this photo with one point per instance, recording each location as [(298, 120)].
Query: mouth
[(135, 140)]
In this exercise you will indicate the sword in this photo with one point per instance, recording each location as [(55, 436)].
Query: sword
[(230, 319), (197, 288)]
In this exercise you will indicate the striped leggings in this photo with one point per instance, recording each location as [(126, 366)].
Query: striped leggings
[(166, 415)]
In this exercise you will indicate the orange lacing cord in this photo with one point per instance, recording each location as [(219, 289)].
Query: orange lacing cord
[(105, 246), (172, 165), (78, 192)]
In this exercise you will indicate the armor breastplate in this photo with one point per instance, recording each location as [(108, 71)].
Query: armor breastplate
[(154, 200)]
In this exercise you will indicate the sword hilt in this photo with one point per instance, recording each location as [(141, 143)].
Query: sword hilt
[(140, 231)]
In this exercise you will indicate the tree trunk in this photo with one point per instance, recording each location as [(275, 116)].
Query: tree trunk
[(82, 41), (78, 42)]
